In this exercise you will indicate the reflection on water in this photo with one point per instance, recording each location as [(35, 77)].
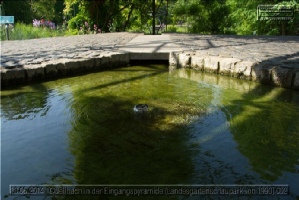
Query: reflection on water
[(200, 129), (34, 123), (263, 126), (127, 147), (25, 104)]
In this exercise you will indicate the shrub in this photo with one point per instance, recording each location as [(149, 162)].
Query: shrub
[(22, 31), (43, 23), (77, 21), (172, 29)]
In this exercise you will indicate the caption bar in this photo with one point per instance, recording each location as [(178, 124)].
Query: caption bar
[(150, 190), (275, 12)]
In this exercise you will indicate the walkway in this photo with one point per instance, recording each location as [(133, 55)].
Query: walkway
[(152, 44), (260, 57), (250, 48), (18, 53)]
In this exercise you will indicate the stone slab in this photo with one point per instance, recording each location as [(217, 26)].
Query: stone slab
[(282, 77), (152, 44), (197, 62), (227, 65), (270, 60)]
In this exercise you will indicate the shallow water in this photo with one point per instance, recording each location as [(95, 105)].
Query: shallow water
[(200, 129)]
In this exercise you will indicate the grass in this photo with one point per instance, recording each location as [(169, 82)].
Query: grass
[(177, 29), (22, 31)]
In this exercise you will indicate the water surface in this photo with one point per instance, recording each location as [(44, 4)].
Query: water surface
[(200, 129)]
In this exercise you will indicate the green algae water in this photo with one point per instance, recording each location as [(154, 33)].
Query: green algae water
[(199, 129)]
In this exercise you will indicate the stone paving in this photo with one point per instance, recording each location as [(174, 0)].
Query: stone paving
[(269, 60), (272, 60), (153, 44), (36, 51), (249, 48)]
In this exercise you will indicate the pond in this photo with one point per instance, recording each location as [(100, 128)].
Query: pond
[(200, 129)]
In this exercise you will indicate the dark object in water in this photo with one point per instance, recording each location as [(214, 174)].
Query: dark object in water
[(140, 108)]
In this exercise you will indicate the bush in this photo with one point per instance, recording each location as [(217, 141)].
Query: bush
[(77, 21), (273, 31), (22, 31), (171, 29)]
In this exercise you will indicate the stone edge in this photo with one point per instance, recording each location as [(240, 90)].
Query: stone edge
[(61, 68), (277, 74)]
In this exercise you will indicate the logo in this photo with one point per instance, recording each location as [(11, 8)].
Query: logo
[(275, 12)]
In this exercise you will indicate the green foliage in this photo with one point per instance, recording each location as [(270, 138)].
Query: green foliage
[(232, 17), (43, 9), (172, 29), (196, 16), (59, 6), (273, 31), (72, 32), (82, 15), (22, 31), (77, 21), (243, 18), (27, 10), (21, 10), (203, 16)]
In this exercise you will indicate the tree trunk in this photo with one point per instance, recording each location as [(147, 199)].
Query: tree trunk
[(283, 28), (154, 16), (129, 16)]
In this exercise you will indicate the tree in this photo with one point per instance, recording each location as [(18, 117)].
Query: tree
[(109, 15), (27, 10), (43, 9), (204, 16), (233, 17), (21, 10), (59, 6), (244, 20), (100, 12)]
